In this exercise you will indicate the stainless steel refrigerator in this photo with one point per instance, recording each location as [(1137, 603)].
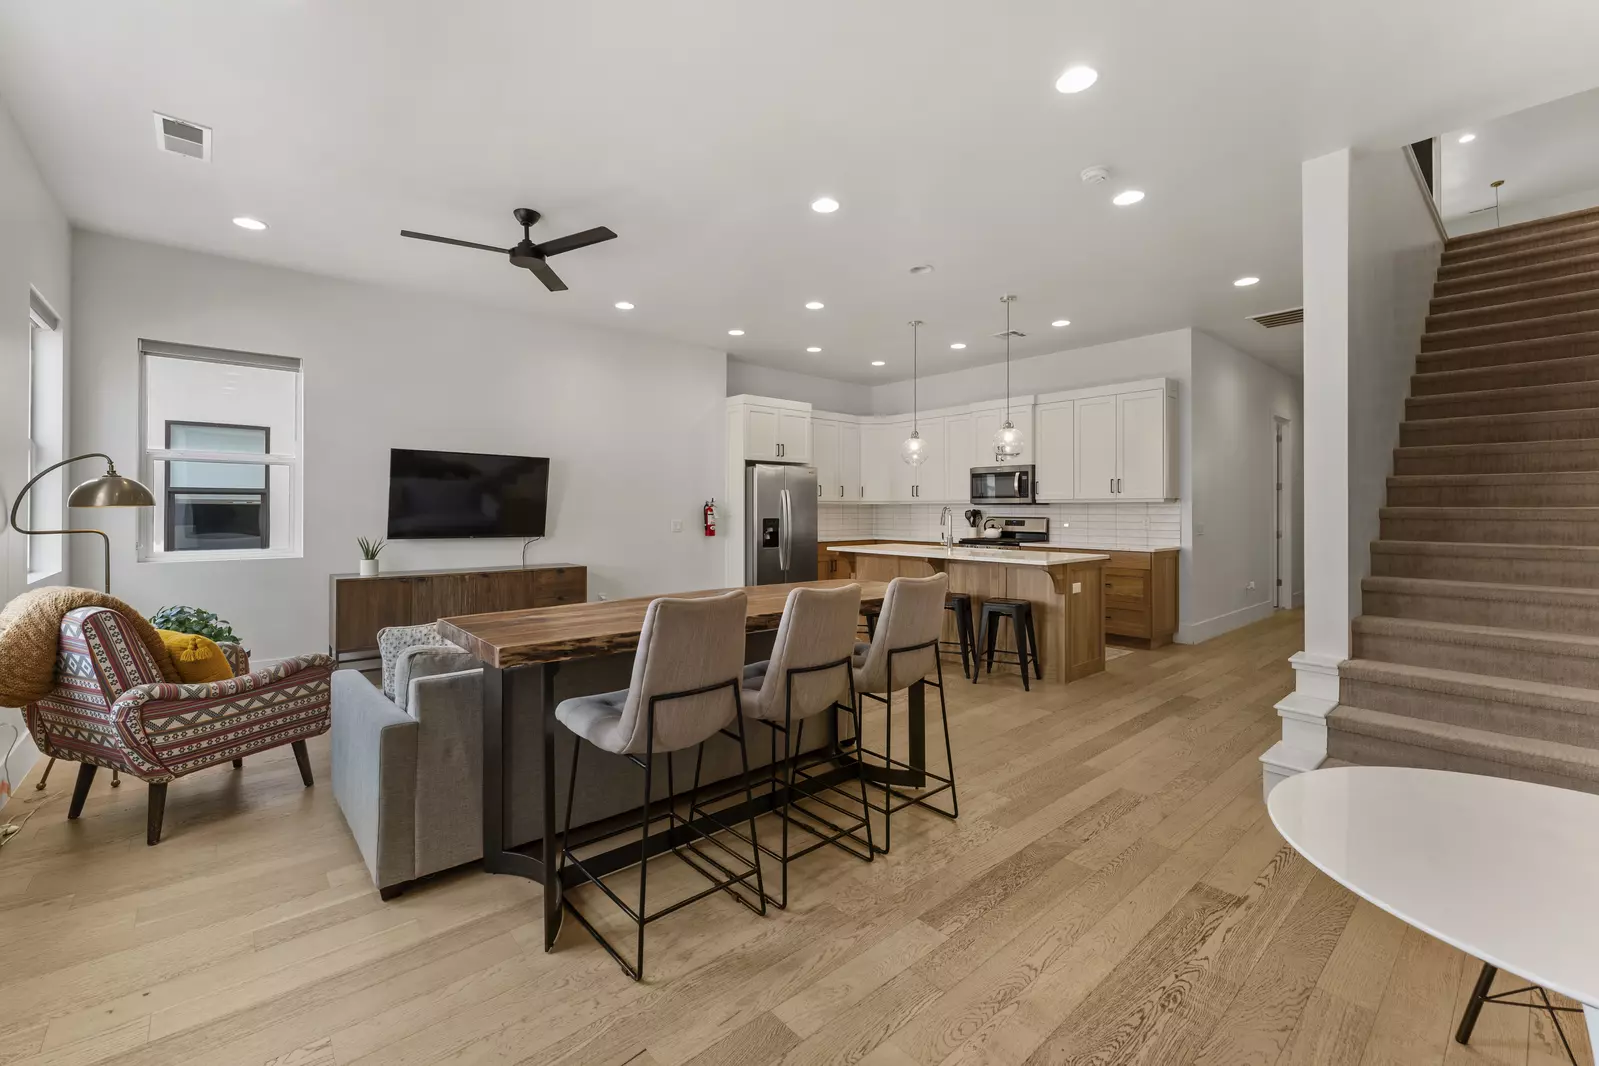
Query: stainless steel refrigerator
[(780, 523)]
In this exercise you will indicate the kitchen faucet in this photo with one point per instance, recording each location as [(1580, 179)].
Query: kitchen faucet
[(946, 526)]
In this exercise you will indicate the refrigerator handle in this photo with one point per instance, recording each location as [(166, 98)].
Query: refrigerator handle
[(784, 546)]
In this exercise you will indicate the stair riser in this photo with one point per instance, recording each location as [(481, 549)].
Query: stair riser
[(1492, 531), (1481, 299), (1555, 460), (1428, 432), (1530, 494), (1503, 614), (1553, 223), (1567, 397), (1538, 350), (1571, 575), (1520, 663), (1553, 372), (1455, 265), (1473, 712), (1366, 750), (1475, 281), (1464, 249), (1501, 333), (1519, 311)]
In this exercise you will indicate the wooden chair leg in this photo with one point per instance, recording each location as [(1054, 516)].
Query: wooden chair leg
[(157, 811), (302, 757), (238, 764), (80, 790)]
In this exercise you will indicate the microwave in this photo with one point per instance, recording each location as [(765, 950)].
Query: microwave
[(1003, 484)]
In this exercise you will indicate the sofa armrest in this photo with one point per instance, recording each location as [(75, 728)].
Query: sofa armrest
[(449, 756), (375, 776)]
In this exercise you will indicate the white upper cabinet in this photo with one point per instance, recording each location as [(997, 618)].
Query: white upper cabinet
[(761, 429), (960, 455), (1096, 448), (1141, 437), (794, 436), (989, 421), (849, 462), (760, 433), (826, 456), (927, 481), (1056, 449), (1124, 443), (881, 477)]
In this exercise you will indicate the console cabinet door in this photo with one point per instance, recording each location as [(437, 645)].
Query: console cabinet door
[(1057, 443), (1097, 448)]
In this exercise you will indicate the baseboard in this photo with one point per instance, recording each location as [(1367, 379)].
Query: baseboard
[(1199, 632), (1299, 600), (22, 757)]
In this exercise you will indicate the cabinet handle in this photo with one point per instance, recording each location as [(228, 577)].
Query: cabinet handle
[(841, 492), (1113, 486), (818, 492)]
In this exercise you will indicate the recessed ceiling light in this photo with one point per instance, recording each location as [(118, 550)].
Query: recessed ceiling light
[(735, 333), (813, 349), (878, 362), (1467, 138), (1244, 283), (1076, 80), (826, 205), (957, 346), (245, 222), (1059, 322), (623, 305), (814, 305), (1123, 199)]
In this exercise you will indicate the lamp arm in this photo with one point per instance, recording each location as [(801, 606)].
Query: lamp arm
[(17, 506)]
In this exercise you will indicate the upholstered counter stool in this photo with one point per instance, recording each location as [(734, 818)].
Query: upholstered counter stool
[(904, 651), (684, 691), (808, 675), (1020, 613)]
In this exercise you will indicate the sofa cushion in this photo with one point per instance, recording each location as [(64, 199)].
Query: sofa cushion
[(395, 639), (426, 660)]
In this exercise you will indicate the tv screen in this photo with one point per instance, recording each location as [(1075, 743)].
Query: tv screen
[(465, 494)]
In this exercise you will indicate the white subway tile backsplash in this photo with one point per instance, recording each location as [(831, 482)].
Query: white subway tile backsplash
[(1126, 526)]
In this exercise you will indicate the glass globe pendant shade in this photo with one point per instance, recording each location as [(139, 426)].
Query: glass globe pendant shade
[(913, 449), (1007, 442)]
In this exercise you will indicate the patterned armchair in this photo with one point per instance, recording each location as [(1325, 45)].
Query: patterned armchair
[(110, 707)]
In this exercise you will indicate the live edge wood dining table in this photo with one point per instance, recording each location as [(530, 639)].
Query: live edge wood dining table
[(522, 651)]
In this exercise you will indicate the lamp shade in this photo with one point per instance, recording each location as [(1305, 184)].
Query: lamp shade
[(111, 490)]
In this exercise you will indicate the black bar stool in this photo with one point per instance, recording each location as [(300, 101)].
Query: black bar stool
[(1020, 613), (961, 604)]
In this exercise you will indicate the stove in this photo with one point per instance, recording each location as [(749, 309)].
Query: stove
[(1012, 532)]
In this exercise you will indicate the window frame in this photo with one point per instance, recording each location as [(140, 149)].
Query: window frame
[(264, 493), (45, 558), (150, 550)]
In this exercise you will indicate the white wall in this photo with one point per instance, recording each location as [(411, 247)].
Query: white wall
[(1513, 212), (824, 394), (1236, 400), (35, 246), (632, 426)]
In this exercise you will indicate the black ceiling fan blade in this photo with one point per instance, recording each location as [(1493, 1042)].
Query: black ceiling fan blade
[(576, 240), (551, 279), (452, 240)]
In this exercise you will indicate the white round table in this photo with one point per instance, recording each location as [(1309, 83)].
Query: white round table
[(1506, 871)]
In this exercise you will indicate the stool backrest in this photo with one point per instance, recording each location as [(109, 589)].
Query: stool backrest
[(818, 627), (686, 644), (913, 613)]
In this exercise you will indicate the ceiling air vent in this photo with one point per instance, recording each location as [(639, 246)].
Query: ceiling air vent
[(182, 138), (1272, 319)]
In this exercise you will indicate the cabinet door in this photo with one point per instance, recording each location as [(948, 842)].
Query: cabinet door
[(849, 462), (794, 436), (879, 457), (760, 433), (1096, 448), (989, 423), (1057, 444), (902, 476), (824, 448), (1141, 437), (960, 449)]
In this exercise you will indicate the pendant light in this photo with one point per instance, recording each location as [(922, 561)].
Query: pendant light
[(1007, 439), (914, 450)]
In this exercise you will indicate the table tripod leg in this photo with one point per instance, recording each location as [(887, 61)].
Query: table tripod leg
[(1479, 995)]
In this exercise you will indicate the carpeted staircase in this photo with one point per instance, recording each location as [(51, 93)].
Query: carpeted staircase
[(1479, 646)]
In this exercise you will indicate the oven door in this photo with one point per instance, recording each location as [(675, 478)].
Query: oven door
[(1002, 484)]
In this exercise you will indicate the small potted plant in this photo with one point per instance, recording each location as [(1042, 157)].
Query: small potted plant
[(369, 555), (194, 620)]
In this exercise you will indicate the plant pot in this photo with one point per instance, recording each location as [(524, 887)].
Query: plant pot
[(369, 568)]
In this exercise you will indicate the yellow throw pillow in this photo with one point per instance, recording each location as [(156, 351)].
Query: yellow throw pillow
[(197, 658)]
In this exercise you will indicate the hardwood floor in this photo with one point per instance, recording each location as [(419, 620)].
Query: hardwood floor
[(1112, 893)]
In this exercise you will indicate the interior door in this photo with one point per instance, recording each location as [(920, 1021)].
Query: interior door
[(1096, 448), (1055, 449), (825, 448), (849, 462), (960, 451), (928, 481), (1141, 435), (760, 433), (794, 434)]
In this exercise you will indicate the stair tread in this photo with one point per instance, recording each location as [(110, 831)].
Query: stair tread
[(1507, 416), (1548, 477), (1483, 549), (1568, 698), (1486, 636), (1577, 230), (1503, 392), (1499, 295), (1581, 243), (1482, 281), (1534, 305), (1456, 737), (1579, 337), (1478, 589), (1567, 318), (1465, 374), (1494, 513), (1546, 224), (1569, 444)]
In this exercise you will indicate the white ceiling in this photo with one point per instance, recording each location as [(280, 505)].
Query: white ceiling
[(1540, 152), (700, 130)]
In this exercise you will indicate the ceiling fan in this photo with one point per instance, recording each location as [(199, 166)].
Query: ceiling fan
[(527, 254)]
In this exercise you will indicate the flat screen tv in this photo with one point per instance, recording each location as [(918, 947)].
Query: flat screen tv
[(447, 495)]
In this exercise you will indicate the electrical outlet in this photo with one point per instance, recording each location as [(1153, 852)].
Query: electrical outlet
[(599, 597), (1250, 586), (677, 525)]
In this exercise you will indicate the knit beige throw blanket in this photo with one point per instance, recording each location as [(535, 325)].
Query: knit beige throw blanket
[(30, 628)]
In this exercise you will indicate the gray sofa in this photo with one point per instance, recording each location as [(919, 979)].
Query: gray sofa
[(407, 770)]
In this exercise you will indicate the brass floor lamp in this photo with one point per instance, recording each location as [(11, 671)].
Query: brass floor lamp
[(108, 490)]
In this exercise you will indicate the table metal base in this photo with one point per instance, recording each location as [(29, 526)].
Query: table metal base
[(1480, 996)]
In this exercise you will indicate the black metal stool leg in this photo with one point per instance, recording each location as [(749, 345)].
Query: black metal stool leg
[(1020, 633), (1479, 995), (1032, 647)]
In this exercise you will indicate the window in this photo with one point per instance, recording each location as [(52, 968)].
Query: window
[(46, 436), (205, 410)]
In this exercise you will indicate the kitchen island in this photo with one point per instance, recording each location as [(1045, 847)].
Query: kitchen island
[(1066, 590)]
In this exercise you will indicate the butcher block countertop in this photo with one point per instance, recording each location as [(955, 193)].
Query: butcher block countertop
[(507, 639), (966, 554)]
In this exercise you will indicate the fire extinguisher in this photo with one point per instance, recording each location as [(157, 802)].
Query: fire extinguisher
[(710, 518)]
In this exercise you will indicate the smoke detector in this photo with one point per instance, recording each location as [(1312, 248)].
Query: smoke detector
[(180, 137), (1095, 175)]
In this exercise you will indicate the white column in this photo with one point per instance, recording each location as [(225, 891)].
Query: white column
[(1325, 195)]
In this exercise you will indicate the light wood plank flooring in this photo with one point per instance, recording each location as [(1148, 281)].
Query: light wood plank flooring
[(1112, 893)]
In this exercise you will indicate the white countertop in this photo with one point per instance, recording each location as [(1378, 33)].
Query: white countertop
[(963, 554)]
